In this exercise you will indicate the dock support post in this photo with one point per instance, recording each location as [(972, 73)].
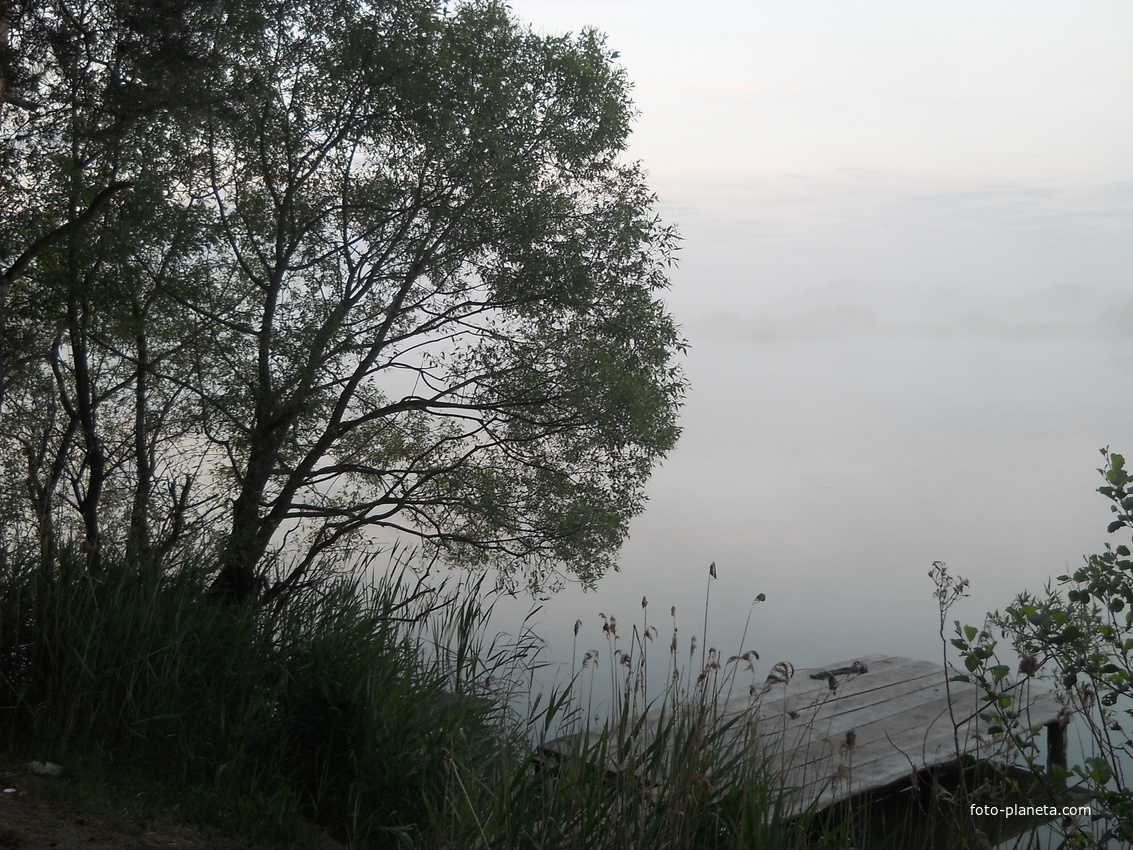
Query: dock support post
[(1056, 743)]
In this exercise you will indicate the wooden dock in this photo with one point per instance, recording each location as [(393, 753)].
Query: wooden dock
[(865, 724)]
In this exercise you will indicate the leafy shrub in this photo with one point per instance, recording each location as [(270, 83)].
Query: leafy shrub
[(1079, 635)]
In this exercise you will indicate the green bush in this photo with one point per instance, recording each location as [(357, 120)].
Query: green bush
[(1077, 634)]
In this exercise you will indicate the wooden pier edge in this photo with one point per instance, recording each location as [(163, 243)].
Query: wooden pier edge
[(1056, 760), (854, 727)]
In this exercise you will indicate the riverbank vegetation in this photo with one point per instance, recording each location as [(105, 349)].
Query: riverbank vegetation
[(380, 713), (280, 279), (1076, 636), (280, 282), (389, 715)]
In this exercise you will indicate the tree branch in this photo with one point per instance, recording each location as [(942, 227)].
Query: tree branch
[(61, 232)]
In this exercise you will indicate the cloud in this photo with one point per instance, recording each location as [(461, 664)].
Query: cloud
[(725, 90), (818, 323), (860, 172), (1064, 311)]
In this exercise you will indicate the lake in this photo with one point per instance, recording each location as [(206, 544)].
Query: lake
[(830, 456)]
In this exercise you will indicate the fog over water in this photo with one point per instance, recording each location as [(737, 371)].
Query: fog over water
[(829, 465), (906, 284)]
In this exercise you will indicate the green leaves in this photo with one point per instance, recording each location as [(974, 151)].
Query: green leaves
[(999, 672), (1099, 770), (1082, 629), (384, 272)]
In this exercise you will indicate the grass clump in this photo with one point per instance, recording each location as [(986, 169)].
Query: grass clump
[(328, 709), (670, 767), (383, 714)]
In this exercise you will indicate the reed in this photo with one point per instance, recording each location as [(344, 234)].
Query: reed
[(387, 713), (329, 710), (666, 770)]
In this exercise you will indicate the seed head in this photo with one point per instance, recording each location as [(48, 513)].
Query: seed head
[(1029, 665)]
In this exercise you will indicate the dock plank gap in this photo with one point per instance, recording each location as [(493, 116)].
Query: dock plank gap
[(858, 726)]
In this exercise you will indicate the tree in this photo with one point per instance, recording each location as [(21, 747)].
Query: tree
[(96, 99), (402, 281), (79, 81)]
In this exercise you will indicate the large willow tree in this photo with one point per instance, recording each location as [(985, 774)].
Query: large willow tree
[(370, 266)]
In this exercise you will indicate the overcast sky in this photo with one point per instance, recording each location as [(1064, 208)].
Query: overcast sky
[(907, 279), (902, 145)]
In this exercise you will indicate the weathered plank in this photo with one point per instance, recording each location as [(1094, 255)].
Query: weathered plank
[(871, 730), (876, 728)]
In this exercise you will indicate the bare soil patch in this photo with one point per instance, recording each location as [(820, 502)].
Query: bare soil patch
[(35, 816)]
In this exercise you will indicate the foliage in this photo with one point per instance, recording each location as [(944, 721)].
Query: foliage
[(331, 712), (1078, 635), (1005, 733), (317, 271), (102, 100), (385, 715), (355, 710), (90, 94)]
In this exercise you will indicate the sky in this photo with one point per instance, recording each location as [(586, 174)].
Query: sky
[(928, 144), (906, 279)]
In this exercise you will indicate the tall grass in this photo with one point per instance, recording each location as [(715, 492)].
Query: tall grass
[(330, 709), (386, 713), (120, 663), (666, 770)]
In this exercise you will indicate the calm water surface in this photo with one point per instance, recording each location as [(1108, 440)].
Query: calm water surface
[(829, 471)]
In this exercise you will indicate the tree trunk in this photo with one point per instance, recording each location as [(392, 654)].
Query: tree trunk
[(250, 535)]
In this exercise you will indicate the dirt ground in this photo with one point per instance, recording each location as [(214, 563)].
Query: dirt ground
[(31, 818), (30, 823)]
